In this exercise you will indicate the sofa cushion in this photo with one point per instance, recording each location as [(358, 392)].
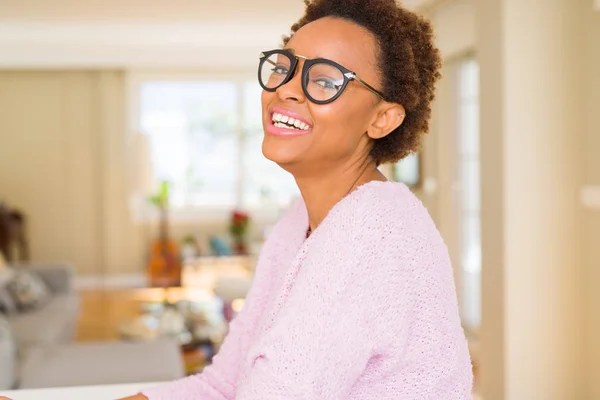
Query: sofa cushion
[(8, 356), (58, 277), (65, 303), (101, 363), (52, 323), (7, 303)]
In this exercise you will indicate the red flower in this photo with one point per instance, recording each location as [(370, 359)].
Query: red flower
[(239, 217), (239, 224)]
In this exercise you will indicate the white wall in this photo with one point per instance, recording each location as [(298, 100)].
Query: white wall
[(540, 147), (590, 50), (531, 164), (455, 27)]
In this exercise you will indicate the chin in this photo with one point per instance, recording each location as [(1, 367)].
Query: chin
[(280, 153)]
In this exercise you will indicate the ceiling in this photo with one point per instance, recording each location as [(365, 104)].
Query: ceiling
[(159, 10), (150, 10), (143, 33)]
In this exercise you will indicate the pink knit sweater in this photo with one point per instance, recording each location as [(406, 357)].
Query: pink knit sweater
[(365, 308)]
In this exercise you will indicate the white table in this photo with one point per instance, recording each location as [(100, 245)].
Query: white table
[(105, 392)]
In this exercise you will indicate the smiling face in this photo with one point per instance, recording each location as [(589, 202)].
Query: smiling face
[(323, 135)]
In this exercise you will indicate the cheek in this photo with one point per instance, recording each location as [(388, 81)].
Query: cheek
[(341, 122)]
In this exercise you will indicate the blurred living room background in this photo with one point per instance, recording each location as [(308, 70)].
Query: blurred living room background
[(134, 197)]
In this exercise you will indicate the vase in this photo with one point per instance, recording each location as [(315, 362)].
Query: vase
[(240, 247)]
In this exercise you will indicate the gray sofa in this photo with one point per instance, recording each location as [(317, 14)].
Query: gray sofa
[(54, 322), (36, 348)]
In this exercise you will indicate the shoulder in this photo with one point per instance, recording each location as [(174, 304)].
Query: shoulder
[(386, 209), (390, 221)]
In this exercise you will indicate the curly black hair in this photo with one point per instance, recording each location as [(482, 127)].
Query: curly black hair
[(409, 64)]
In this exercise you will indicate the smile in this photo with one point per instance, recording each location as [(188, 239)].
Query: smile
[(285, 121)]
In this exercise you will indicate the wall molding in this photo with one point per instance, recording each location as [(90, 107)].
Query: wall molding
[(110, 281)]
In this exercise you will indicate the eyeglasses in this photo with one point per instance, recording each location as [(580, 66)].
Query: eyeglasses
[(323, 80)]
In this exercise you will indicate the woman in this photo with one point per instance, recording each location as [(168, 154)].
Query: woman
[(353, 296)]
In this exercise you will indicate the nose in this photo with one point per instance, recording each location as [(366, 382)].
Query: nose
[(292, 90)]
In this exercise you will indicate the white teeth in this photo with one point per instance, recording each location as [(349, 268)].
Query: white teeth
[(282, 125), (284, 121)]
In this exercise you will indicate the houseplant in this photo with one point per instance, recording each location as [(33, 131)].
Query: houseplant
[(238, 228)]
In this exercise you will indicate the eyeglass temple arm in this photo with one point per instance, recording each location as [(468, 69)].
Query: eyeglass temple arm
[(365, 84)]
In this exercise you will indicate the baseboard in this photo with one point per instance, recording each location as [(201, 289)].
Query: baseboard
[(112, 281)]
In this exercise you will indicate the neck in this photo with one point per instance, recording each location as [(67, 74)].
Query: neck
[(322, 192)]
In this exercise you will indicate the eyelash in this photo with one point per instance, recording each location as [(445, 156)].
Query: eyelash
[(329, 85)]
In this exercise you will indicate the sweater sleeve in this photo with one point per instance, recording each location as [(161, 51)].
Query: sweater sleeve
[(358, 322)]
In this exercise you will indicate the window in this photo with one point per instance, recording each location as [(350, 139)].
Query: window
[(205, 138), (264, 182), (469, 198)]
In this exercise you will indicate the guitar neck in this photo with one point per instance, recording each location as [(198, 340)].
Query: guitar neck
[(164, 224)]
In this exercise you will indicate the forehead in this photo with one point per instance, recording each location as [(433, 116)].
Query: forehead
[(339, 40)]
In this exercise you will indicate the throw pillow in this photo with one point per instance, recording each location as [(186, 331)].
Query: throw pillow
[(28, 290)]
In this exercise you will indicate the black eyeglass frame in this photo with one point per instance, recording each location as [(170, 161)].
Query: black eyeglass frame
[(308, 63)]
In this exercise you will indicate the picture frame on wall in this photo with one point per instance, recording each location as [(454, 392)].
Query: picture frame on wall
[(409, 170)]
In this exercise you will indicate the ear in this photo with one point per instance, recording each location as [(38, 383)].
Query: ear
[(389, 116)]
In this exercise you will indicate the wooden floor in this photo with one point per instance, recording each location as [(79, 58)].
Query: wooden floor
[(103, 310)]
